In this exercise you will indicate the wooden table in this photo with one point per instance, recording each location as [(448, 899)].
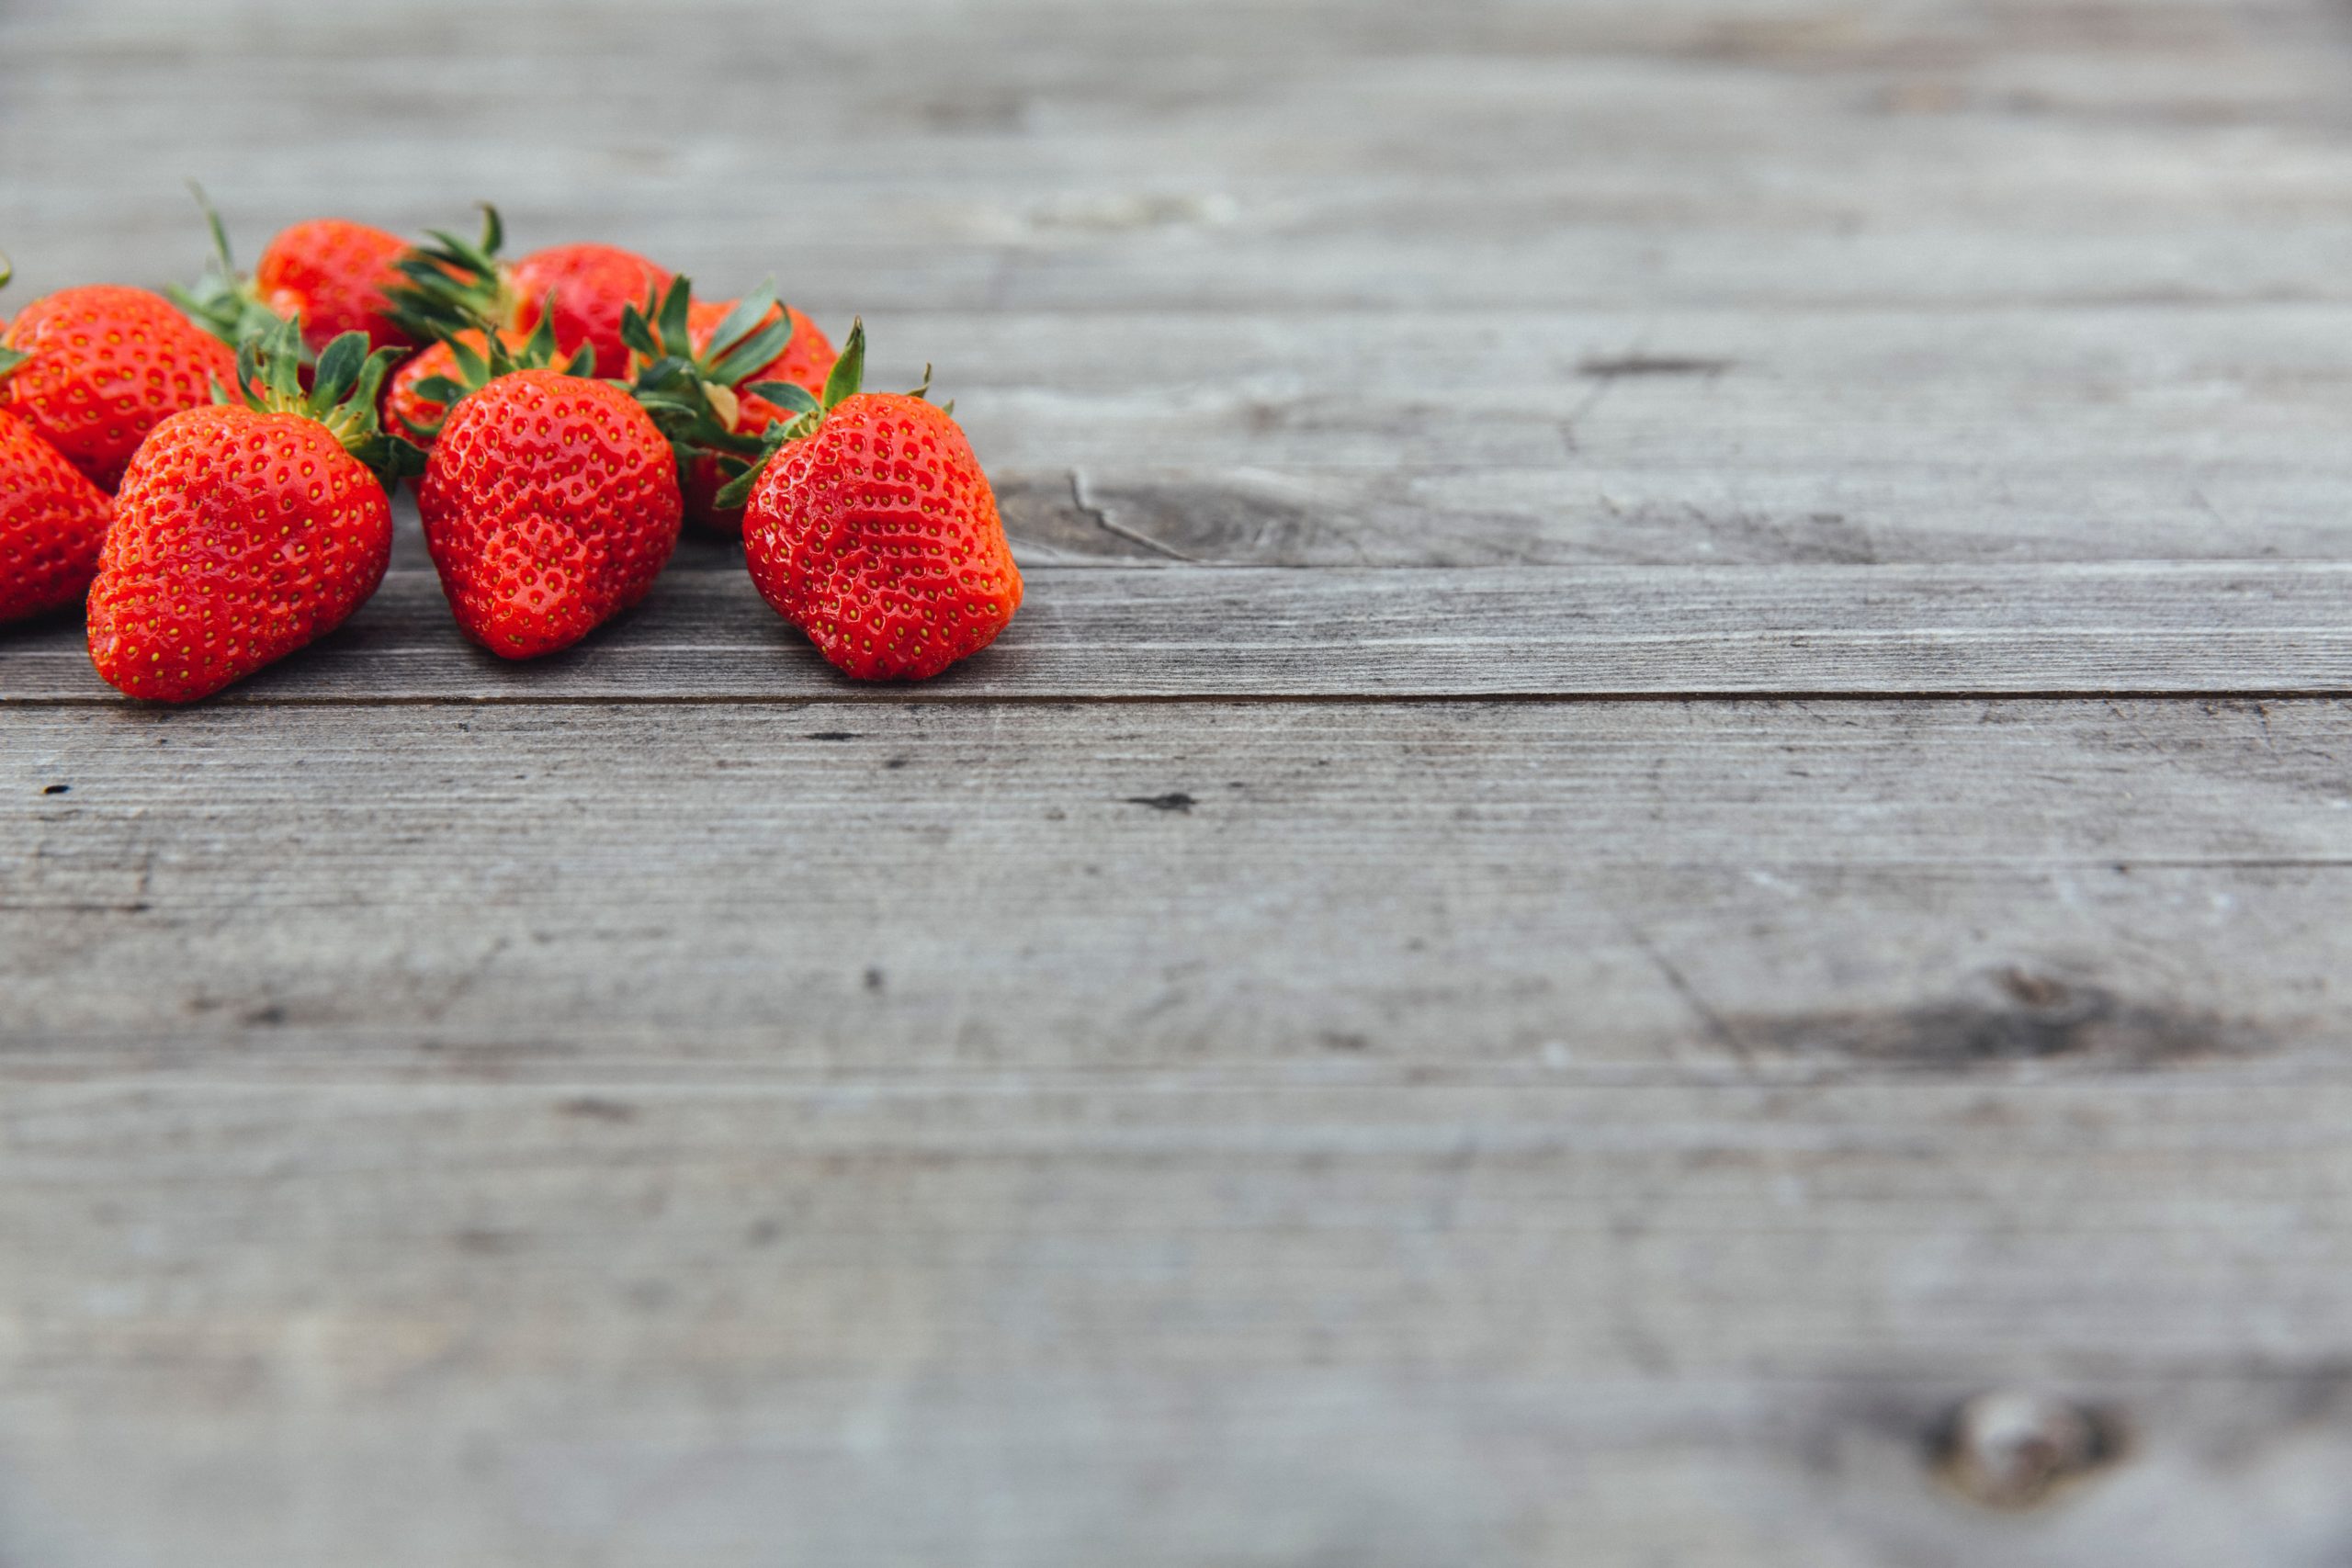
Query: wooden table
[(1674, 791)]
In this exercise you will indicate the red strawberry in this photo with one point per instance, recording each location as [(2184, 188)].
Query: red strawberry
[(589, 286), (455, 284), (330, 274), (245, 531), (51, 522), (550, 503), (871, 528), (411, 415), (94, 369)]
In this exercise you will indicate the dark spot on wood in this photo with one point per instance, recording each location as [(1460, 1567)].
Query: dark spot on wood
[(873, 981), (1175, 800), (2015, 1451), (487, 1242), (56, 789), (1345, 1040), (895, 763), (594, 1109), (1652, 364), (267, 1015), (831, 735), (2013, 1015)]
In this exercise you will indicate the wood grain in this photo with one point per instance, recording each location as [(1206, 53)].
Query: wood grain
[(2142, 629), (1778, 863), (897, 890), (606, 1323)]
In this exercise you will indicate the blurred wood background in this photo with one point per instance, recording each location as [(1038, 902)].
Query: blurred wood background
[(1674, 791)]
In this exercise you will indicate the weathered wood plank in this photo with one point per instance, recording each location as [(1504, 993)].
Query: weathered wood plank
[(1124, 635), (620, 1322), (1610, 890), (1666, 436), (1056, 155)]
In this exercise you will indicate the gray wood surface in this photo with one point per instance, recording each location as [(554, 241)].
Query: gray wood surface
[(1497, 631), (1675, 793)]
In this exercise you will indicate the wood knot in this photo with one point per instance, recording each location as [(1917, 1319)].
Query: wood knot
[(2014, 1450)]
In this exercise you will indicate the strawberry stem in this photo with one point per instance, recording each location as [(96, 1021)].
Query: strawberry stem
[(455, 284), (224, 301)]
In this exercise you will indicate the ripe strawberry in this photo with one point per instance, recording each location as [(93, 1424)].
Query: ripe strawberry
[(94, 369), (871, 528), (412, 415), (51, 522), (550, 501), (455, 284), (330, 274), (245, 531)]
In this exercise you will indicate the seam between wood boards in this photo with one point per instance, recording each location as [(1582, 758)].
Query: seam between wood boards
[(1326, 699)]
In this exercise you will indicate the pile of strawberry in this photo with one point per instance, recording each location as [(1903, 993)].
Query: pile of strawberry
[(210, 472)]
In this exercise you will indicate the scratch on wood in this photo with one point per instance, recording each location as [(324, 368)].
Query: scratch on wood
[(1102, 520)]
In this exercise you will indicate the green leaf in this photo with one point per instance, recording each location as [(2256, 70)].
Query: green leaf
[(9, 359), (282, 349), (785, 395), (673, 305), (248, 368), (737, 491), (473, 370), (752, 355), (440, 389), (744, 318), (638, 334), (848, 370), (219, 232), (339, 368)]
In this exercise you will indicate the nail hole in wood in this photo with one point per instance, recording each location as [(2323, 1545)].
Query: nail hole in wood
[(2014, 1450)]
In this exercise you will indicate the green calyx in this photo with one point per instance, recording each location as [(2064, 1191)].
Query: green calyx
[(846, 378), (9, 357), (342, 396), (692, 395), (454, 283), (224, 301), (477, 368)]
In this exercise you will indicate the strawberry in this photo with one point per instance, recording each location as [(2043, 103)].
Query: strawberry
[(416, 416), (550, 501), (246, 530), (93, 369), (52, 521), (329, 274), (454, 283), (695, 362), (870, 526)]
